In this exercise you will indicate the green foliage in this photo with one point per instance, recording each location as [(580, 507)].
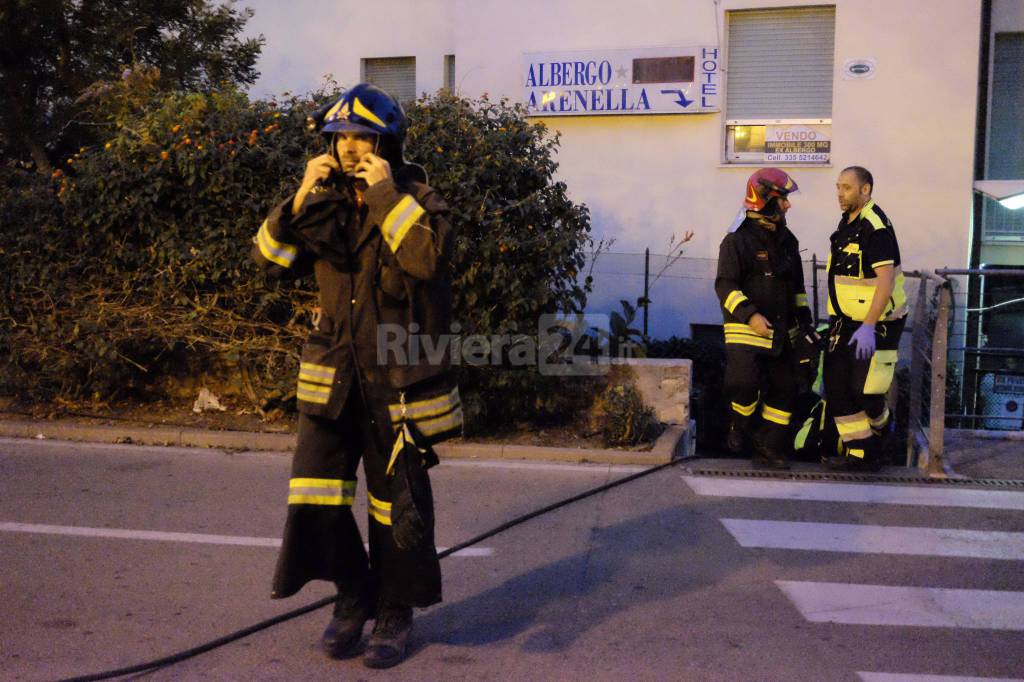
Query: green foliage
[(132, 261), (52, 52), (138, 248), (621, 340)]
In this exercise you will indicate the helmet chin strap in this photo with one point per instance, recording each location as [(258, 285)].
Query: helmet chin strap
[(334, 148)]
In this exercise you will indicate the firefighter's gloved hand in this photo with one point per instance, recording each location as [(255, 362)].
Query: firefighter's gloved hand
[(864, 341)]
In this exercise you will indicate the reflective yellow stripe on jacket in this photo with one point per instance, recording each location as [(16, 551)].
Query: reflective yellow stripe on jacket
[(274, 251), (332, 492), (432, 416), (734, 298), (400, 220), (380, 511), (315, 383), (744, 334)]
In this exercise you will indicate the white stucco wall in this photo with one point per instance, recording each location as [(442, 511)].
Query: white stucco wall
[(646, 177), (308, 39)]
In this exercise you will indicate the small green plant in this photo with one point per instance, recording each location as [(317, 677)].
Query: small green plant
[(621, 339)]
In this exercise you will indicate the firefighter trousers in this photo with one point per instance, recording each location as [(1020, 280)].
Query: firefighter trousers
[(755, 379), (855, 389), (321, 540)]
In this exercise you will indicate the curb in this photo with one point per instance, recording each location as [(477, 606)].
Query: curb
[(675, 442)]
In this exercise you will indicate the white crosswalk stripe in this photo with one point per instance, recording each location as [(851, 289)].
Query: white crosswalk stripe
[(847, 537), (915, 606), (900, 677), (166, 536), (883, 605), (855, 492)]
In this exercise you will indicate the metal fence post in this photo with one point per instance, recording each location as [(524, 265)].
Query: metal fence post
[(937, 406), (647, 287), (917, 338)]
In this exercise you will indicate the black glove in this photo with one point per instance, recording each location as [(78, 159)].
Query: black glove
[(807, 347)]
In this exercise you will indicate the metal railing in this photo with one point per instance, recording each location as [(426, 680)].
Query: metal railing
[(986, 352), (929, 344)]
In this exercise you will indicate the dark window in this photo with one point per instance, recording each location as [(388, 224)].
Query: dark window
[(663, 70)]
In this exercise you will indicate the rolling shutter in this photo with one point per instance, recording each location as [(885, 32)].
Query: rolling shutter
[(449, 71), (1006, 144), (780, 63), (394, 75)]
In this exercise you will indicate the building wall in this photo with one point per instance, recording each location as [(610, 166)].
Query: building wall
[(647, 177), (308, 39)]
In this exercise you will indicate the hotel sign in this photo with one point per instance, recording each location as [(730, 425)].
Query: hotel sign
[(651, 80)]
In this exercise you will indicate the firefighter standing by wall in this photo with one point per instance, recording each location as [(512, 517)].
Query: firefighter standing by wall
[(378, 240), (760, 285), (867, 308)]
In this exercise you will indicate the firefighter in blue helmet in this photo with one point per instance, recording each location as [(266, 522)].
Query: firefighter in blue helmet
[(378, 240), (867, 307), (760, 285)]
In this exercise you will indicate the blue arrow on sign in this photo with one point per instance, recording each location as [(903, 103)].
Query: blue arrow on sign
[(680, 97)]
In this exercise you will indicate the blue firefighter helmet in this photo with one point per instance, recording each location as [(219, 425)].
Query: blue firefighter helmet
[(366, 108)]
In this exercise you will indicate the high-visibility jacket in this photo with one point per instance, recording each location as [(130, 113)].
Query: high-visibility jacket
[(759, 271), (382, 268), (858, 248)]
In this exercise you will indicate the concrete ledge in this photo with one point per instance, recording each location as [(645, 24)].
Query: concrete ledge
[(675, 442), (664, 384)]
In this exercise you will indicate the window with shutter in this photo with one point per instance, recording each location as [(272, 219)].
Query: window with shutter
[(779, 75), (394, 75), (1005, 144), (449, 72)]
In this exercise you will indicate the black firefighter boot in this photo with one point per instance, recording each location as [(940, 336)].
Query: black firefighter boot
[(738, 440), (344, 632), (768, 451), (389, 643)]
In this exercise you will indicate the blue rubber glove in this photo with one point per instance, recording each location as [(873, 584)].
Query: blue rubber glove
[(864, 341)]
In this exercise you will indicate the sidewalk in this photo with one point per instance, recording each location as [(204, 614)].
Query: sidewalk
[(986, 454), (971, 454), (674, 442)]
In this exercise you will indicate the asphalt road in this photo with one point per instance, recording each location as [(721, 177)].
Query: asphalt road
[(112, 555)]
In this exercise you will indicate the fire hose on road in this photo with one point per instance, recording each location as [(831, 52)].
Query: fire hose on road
[(180, 656)]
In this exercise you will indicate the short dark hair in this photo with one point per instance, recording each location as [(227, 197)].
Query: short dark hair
[(864, 176)]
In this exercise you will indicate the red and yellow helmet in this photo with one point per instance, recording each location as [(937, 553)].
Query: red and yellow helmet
[(765, 184)]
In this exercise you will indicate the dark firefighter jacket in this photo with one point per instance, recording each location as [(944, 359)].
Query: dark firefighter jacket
[(759, 271), (858, 248), (382, 267)]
